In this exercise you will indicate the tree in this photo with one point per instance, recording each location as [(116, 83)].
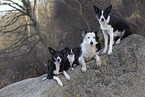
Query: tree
[(27, 11)]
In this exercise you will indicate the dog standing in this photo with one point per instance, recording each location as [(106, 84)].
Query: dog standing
[(55, 65), (116, 28), (88, 49)]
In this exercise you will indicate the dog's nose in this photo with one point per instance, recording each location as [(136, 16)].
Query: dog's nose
[(91, 43), (102, 19), (58, 60)]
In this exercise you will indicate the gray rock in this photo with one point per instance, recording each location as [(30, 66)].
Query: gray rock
[(122, 74)]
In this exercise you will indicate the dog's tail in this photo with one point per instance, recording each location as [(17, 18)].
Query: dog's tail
[(126, 33)]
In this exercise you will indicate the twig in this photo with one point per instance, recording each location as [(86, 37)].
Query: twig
[(78, 11)]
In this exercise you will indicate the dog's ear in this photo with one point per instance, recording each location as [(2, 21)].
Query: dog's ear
[(65, 50), (83, 33), (96, 9), (108, 9), (95, 32), (75, 49), (51, 50), (96, 35)]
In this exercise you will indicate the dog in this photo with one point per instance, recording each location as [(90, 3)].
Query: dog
[(116, 28), (88, 49), (69, 58), (55, 66), (77, 52)]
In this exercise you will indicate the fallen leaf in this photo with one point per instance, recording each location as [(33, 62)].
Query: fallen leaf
[(105, 61), (138, 87), (96, 79), (78, 95), (102, 75), (143, 53), (129, 76)]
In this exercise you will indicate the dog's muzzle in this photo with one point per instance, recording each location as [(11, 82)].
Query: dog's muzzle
[(71, 53), (91, 43), (58, 60), (102, 19)]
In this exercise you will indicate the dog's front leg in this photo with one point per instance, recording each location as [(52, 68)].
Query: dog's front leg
[(111, 43), (82, 62), (98, 61), (106, 42), (66, 75), (58, 80)]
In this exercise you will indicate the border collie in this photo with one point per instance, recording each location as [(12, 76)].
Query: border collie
[(68, 60), (77, 52), (116, 28), (55, 67), (88, 49)]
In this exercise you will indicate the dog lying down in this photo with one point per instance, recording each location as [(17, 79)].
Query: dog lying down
[(89, 46), (55, 66)]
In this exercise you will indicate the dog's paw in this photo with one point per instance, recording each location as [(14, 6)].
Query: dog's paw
[(72, 68), (84, 69), (99, 63), (110, 52), (44, 78), (60, 83), (118, 41), (68, 77), (104, 52)]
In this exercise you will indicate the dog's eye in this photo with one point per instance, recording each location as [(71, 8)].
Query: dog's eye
[(88, 37), (93, 37)]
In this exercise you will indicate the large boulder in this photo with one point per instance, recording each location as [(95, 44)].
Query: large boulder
[(121, 74)]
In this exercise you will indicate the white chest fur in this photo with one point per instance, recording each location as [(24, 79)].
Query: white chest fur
[(105, 26), (71, 59), (88, 52), (57, 64)]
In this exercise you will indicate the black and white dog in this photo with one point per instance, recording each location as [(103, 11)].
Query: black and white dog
[(88, 49), (69, 58), (116, 28), (55, 65)]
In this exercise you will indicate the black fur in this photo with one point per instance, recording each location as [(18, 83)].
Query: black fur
[(116, 23), (51, 62), (65, 62), (120, 25), (77, 52), (51, 67)]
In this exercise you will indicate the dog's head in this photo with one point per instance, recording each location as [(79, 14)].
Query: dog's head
[(57, 56), (90, 37), (70, 51), (102, 15)]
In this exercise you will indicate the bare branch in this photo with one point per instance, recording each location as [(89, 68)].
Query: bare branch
[(11, 22), (17, 9), (5, 59), (17, 4), (78, 11), (34, 5), (13, 48), (15, 28)]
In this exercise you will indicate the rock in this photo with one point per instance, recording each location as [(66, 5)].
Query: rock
[(121, 74)]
